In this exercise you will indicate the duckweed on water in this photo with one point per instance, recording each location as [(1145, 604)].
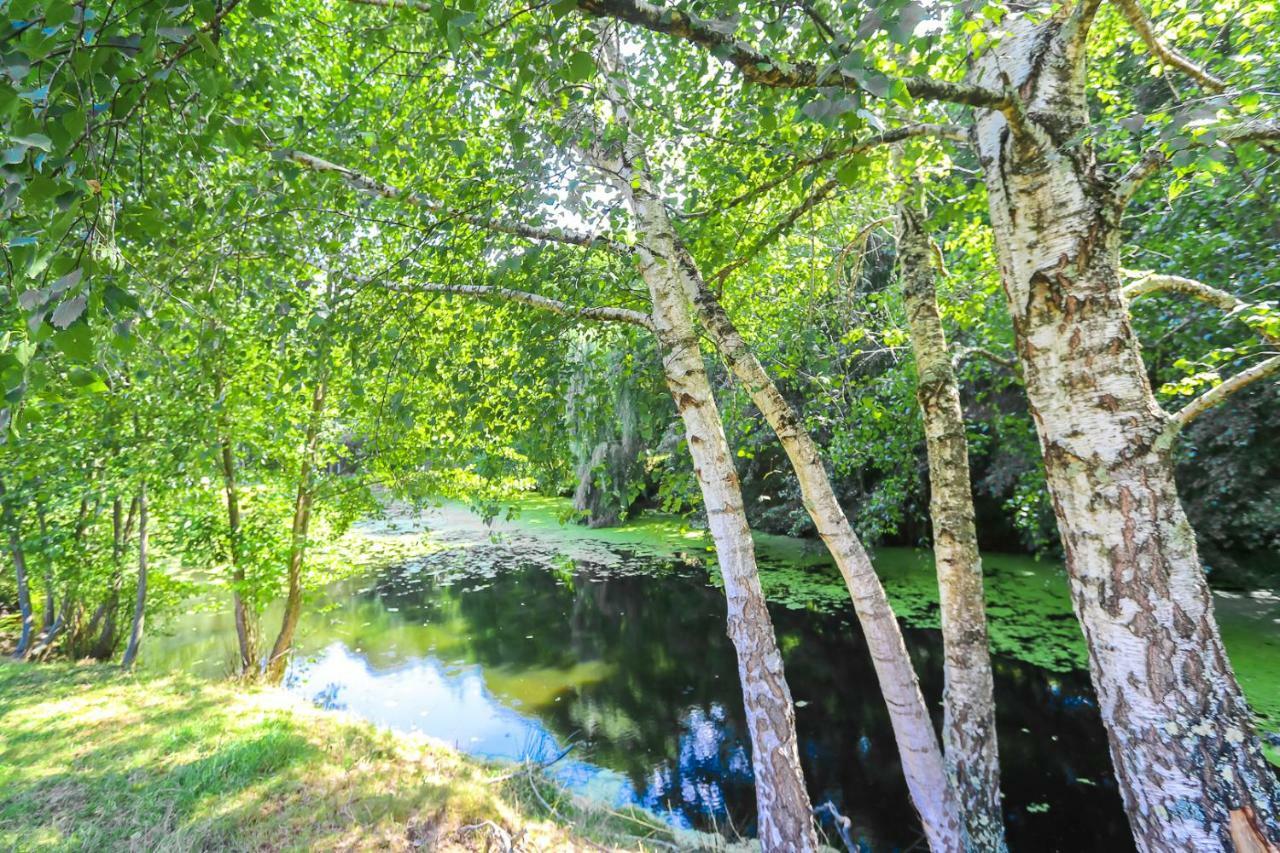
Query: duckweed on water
[(1028, 605)]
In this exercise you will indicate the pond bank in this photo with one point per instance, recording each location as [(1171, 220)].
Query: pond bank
[(93, 759)]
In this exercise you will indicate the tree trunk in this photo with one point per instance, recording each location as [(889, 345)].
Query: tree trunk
[(969, 730), (108, 614), (50, 604), (20, 571), (785, 819), (917, 743), (279, 658), (245, 622), (1182, 740), (140, 606)]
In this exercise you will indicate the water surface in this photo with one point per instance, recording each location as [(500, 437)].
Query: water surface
[(518, 646)]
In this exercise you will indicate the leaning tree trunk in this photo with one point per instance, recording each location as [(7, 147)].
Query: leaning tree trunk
[(245, 622), (140, 604), (969, 730), (1189, 763), (783, 804), (917, 743), (279, 658), (20, 571), (785, 818)]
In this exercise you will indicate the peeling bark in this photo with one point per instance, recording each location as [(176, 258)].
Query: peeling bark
[(1181, 735), (785, 819), (969, 730)]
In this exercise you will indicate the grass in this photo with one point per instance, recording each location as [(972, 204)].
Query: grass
[(93, 759)]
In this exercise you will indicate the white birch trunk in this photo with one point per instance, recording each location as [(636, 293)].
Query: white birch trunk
[(1188, 761), (969, 730), (917, 743), (785, 817)]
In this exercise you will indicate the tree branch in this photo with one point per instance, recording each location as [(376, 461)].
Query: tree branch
[(819, 195), (1168, 56), (369, 185), (1148, 164), (1150, 282), (604, 313), (899, 134), (1260, 131), (1008, 363), (1206, 401), (1263, 132), (416, 5), (765, 70)]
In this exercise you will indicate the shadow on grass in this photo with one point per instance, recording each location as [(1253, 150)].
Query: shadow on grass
[(87, 763), (94, 760)]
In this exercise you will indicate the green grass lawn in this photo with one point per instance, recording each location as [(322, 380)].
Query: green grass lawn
[(93, 759)]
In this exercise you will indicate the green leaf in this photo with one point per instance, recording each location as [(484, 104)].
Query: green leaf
[(581, 66), (35, 140), (75, 343)]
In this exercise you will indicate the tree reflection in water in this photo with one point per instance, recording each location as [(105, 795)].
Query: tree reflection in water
[(511, 652)]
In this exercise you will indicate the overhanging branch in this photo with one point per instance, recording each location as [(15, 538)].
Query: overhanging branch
[(766, 70), (1137, 18), (1206, 401), (1149, 282), (415, 5), (372, 186), (1265, 133), (601, 313), (815, 198), (899, 134)]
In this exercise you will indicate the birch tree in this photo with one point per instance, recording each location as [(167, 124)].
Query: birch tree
[(969, 732), (1189, 762)]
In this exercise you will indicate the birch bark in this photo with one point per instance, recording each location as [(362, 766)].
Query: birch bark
[(969, 730), (917, 743), (785, 821), (1187, 758)]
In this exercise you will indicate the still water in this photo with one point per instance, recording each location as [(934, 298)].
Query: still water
[(511, 648)]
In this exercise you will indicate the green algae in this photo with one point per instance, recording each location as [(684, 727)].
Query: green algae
[(1250, 626), (1029, 612)]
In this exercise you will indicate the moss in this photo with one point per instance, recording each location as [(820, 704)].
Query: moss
[(92, 759)]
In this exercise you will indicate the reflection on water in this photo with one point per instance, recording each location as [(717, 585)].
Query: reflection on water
[(425, 696), (510, 652)]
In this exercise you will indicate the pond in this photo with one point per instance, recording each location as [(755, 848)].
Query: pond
[(521, 641)]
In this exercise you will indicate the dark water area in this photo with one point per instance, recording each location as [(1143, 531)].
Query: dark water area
[(507, 653)]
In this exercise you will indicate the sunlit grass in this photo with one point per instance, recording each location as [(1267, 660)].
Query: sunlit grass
[(92, 759)]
